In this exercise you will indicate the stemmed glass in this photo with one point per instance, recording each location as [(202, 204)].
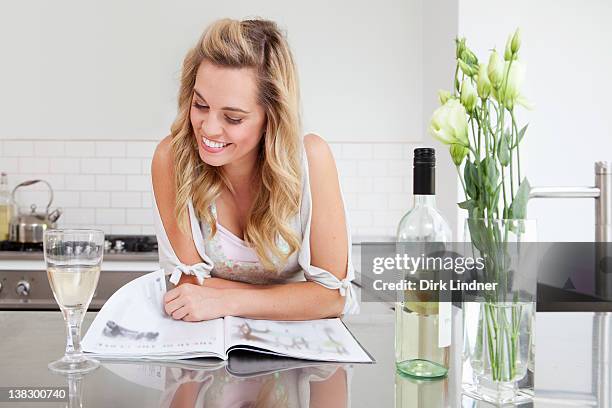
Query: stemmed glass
[(74, 258)]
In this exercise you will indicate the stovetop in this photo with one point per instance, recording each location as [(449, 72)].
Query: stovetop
[(116, 247)]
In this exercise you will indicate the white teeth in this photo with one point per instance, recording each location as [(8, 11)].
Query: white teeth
[(214, 144)]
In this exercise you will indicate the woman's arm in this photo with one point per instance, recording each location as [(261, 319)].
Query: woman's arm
[(291, 301)]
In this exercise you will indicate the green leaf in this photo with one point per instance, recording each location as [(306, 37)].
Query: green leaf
[(518, 208), (467, 204), (521, 133), (503, 151), (470, 174), (492, 175)]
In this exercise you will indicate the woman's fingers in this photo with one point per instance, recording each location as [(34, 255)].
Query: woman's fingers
[(179, 313), (171, 294), (173, 305)]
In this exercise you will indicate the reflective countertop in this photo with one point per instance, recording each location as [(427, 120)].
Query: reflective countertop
[(572, 368)]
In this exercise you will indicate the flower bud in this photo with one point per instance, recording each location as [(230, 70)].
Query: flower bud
[(449, 123), (468, 95), (495, 69), (483, 85), (507, 50), (512, 89), (458, 153), (516, 41), (469, 57), (460, 46), (467, 69), (444, 96)]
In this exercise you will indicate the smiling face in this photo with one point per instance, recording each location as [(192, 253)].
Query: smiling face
[(227, 121)]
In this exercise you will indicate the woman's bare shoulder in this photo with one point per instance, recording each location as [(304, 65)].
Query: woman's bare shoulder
[(162, 157), (318, 152)]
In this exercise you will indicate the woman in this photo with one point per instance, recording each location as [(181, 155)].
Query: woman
[(249, 216)]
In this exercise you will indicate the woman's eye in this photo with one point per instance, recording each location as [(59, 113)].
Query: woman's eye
[(233, 121), (200, 106)]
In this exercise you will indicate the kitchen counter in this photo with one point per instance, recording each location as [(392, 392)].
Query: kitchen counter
[(572, 365)]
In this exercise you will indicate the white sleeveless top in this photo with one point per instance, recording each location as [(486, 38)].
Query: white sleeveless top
[(216, 263)]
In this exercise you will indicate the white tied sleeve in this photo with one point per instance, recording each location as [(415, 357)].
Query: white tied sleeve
[(315, 274), (168, 260)]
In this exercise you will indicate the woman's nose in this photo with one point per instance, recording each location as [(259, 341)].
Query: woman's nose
[(211, 126)]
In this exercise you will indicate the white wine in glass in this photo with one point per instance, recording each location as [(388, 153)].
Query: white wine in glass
[(74, 259)]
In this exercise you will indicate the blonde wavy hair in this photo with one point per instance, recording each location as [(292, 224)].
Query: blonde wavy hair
[(260, 45)]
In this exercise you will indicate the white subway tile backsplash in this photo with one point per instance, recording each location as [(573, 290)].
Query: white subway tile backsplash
[(126, 200), (64, 166), (371, 201), (402, 167), (147, 200), (81, 182), (110, 149), (139, 183), (10, 165), (346, 167), (357, 151), (356, 184), (110, 216), (43, 148), (360, 218), (140, 149), (110, 183), (126, 166), (56, 181), (400, 201), (336, 149), (33, 165), (80, 149), (78, 216), (95, 199), (126, 229), (146, 166), (107, 184), (139, 216), (388, 217), (18, 148), (66, 199), (95, 166), (372, 168), (387, 184)]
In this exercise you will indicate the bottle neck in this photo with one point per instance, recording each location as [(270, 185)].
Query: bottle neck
[(424, 200)]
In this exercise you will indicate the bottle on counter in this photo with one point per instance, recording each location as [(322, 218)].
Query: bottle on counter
[(422, 328), (6, 207)]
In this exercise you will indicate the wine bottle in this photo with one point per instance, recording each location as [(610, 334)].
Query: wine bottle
[(422, 329), (5, 207)]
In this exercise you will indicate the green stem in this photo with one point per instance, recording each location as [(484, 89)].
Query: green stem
[(518, 151)]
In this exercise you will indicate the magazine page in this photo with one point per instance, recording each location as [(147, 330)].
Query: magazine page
[(133, 324), (323, 340)]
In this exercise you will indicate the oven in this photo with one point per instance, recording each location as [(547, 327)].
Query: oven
[(23, 276)]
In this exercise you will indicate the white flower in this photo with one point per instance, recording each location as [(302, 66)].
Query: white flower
[(483, 85), (511, 87), (449, 123), (443, 96), (468, 95), (495, 69)]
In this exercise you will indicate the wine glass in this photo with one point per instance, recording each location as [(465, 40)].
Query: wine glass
[(74, 258)]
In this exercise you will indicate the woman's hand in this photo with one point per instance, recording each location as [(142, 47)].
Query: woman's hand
[(193, 303)]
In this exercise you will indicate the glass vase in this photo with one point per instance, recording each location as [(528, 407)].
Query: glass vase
[(499, 322)]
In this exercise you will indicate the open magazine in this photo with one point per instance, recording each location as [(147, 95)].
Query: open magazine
[(132, 324)]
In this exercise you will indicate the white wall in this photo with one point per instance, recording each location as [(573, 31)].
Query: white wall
[(88, 88), (76, 69), (566, 47)]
